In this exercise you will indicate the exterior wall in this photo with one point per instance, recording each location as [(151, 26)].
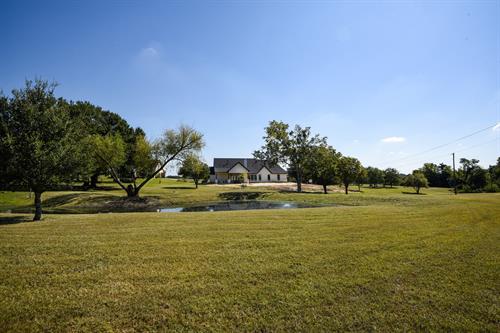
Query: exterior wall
[(238, 168), (283, 177), (221, 177), (262, 176)]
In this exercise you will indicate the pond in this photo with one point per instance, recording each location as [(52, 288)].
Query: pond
[(237, 205)]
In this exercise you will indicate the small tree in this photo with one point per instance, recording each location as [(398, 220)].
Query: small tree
[(41, 140), (349, 170), (416, 180), (391, 176), (193, 167), (322, 166)]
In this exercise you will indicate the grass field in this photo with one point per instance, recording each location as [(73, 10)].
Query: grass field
[(382, 261)]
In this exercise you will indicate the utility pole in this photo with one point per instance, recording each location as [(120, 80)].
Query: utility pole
[(454, 175)]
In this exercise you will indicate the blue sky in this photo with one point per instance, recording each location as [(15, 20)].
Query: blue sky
[(382, 80)]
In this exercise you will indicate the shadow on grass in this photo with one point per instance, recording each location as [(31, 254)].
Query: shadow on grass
[(414, 193), (241, 195), (307, 192), (5, 220), (60, 200)]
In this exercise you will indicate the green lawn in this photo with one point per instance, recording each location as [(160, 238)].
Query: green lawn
[(382, 261)]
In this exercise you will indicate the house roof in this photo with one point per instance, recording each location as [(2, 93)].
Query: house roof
[(253, 165)]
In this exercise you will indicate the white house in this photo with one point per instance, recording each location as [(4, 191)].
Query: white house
[(238, 170)]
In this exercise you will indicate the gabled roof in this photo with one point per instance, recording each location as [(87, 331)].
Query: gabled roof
[(239, 163), (251, 164)]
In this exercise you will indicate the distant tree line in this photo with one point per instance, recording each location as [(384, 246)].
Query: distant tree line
[(46, 140), (310, 158)]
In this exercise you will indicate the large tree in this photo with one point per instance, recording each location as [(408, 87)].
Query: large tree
[(5, 150), (97, 121), (375, 176), (195, 168), (322, 166), (290, 147), (391, 177), (41, 140), (173, 146), (349, 169), (471, 176)]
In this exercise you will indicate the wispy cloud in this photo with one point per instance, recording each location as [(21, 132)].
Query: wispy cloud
[(496, 127), (149, 52), (393, 139)]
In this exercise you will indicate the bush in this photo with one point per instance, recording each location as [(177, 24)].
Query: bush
[(492, 188)]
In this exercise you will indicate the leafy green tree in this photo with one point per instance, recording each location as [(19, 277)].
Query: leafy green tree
[(97, 121), (445, 175), (391, 177), (437, 175), (41, 139), (174, 145), (322, 166), (416, 180), (349, 169), (108, 152), (194, 168), (471, 176), (494, 171), (293, 147), (5, 149), (362, 178), (375, 176), (143, 160)]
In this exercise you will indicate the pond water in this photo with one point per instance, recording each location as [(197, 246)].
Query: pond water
[(236, 205)]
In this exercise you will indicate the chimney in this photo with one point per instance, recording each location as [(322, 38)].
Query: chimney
[(245, 163)]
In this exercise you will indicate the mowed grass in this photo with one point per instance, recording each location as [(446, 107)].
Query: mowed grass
[(169, 192), (398, 262)]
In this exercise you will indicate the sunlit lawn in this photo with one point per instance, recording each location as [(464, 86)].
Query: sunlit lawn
[(382, 261)]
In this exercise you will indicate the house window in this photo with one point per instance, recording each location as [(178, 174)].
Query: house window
[(260, 177), (268, 177), (278, 177)]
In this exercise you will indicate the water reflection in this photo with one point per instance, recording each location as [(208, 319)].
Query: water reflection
[(236, 205)]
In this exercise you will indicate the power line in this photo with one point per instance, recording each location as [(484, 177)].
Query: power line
[(441, 145), (443, 155)]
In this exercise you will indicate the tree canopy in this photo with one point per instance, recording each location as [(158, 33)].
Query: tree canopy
[(416, 180), (350, 169), (41, 140), (193, 167), (291, 147), (322, 166)]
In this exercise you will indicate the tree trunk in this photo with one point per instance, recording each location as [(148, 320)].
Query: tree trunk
[(38, 206), (93, 180), (196, 182), (299, 182), (418, 189), (324, 189), (132, 192), (346, 185)]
